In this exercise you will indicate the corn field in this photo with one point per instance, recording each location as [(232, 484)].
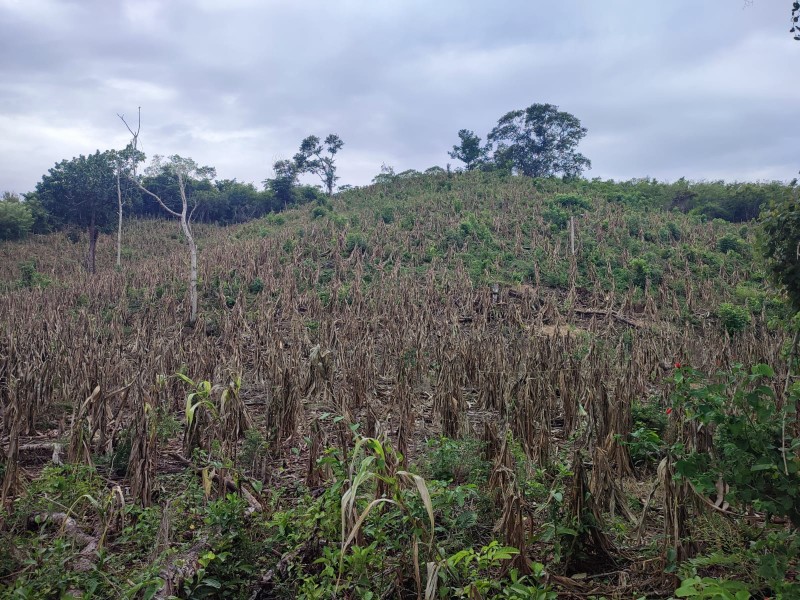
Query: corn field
[(390, 325)]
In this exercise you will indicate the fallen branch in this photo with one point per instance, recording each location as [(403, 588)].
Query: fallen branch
[(723, 508), (179, 569), (69, 526), (255, 505), (53, 448), (278, 572)]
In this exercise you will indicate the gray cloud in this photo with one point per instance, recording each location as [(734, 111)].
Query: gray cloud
[(668, 89)]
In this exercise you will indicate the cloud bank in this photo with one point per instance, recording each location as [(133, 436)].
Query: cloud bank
[(666, 89)]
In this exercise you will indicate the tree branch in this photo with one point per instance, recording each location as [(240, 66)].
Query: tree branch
[(158, 199)]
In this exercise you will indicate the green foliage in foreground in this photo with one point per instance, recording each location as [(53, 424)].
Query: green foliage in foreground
[(369, 526), (756, 451), (712, 589), (375, 529)]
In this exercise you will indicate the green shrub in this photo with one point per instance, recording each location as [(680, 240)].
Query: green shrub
[(387, 215), (730, 242), (748, 436), (712, 589), (556, 216), (634, 225), (754, 298), (60, 486), (458, 461), (253, 448), (353, 242), (557, 278), (454, 238), (339, 220), (256, 286), (733, 318), (649, 415), (472, 226), (574, 202), (30, 277), (642, 272), (16, 219), (645, 446)]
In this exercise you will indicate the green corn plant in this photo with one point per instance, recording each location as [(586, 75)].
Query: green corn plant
[(109, 508), (198, 401), (372, 463)]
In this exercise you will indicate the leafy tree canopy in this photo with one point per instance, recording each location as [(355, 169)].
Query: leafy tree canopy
[(469, 151), (387, 175), (182, 169), (317, 158), (82, 192), (282, 186), (540, 141)]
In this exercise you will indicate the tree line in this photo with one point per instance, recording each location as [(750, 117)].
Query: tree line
[(91, 192)]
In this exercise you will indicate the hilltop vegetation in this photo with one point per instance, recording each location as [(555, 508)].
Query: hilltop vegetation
[(411, 388)]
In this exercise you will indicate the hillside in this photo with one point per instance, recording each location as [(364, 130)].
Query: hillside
[(444, 317)]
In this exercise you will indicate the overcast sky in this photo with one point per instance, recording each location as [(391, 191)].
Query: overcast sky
[(706, 89)]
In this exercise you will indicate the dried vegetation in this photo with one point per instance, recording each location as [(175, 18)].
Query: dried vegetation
[(394, 329)]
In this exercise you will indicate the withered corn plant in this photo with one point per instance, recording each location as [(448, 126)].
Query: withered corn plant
[(466, 316)]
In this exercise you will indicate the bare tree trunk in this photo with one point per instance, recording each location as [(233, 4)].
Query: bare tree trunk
[(187, 231), (186, 226), (119, 220), (185, 216), (93, 233)]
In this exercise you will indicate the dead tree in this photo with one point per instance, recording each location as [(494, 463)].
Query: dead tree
[(184, 170)]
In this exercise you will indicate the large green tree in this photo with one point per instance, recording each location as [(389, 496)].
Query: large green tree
[(539, 141), (469, 151), (318, 158), (82, 192), (282, 186)]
